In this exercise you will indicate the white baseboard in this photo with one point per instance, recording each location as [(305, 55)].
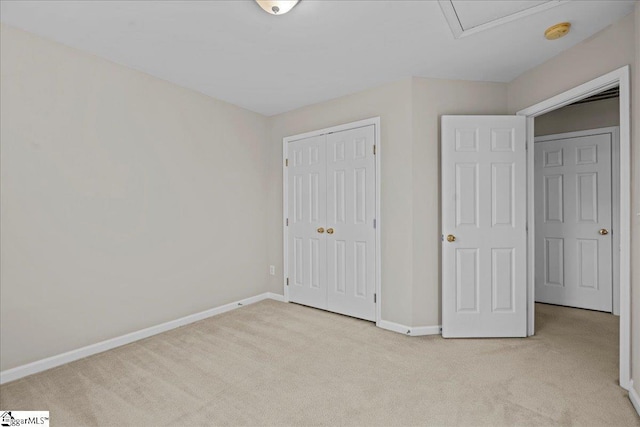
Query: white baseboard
[(276, 297), (426, 330), (634, 397), (415, 331), (394, 327), (60, 359)]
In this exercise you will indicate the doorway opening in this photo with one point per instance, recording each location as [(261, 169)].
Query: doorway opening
[(578, 179)]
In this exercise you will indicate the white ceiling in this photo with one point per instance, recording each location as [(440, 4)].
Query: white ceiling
[(234, 51), (473, 13)]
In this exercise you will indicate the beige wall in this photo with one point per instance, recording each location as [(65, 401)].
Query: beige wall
[(589, 115), (433, 98), (410, 113), (608, 50), (126, 201)]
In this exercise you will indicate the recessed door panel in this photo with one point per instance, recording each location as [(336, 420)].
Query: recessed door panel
[(466, 194), (359, 148), (295, 152), (298, 265), (587, 194), (552, 158), (339, 194), (587, 263), (360, 195), (467, 139), (503, 279), (553, 198), (297, 200), (502, 140), (360, 269), (587, 155), (340, 263), (502, 195), (314, 263), (553, 261), (314, 197), (467, 280)]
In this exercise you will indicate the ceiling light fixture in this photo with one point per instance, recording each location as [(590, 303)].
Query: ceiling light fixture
[(557, 31), (277, 7)]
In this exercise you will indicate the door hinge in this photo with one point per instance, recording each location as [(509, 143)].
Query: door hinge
[(286, 162), (287, 281), (287, 222), (375, 299), (374, 150), (374, 223)]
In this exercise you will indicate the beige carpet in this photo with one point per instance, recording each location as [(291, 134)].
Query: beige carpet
[(283, 364)]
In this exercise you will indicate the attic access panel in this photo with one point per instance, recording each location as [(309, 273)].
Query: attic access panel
[(466, 17)]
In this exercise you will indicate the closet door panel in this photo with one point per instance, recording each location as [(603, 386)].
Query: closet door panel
[(350, 214), (307, 209)]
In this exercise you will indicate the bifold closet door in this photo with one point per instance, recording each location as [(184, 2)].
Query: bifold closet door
[(350, 217), (331, 232), (307, 222)]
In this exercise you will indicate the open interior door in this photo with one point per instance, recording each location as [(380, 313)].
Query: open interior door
[(484, 241)]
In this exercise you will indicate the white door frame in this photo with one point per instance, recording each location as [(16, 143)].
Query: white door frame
[(619, 77), (375, 121)]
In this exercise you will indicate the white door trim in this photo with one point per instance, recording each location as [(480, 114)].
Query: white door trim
[(619, 77), (375, 121)]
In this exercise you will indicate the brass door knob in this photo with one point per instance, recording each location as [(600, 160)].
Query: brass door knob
[(320, 230), (329, 230), (603, 231), (451, 238)]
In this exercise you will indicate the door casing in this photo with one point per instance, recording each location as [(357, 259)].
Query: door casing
[(620, 78), (375, 121)]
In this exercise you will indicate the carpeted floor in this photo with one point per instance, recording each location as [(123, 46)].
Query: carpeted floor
[(273, 363)]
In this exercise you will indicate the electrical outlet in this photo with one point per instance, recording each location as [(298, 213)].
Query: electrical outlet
[(272, 270)]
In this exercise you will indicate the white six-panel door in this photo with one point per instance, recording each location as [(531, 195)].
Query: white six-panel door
[(350, 215), (307, 216), (331, 231), (573, 222), (484, 226)]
